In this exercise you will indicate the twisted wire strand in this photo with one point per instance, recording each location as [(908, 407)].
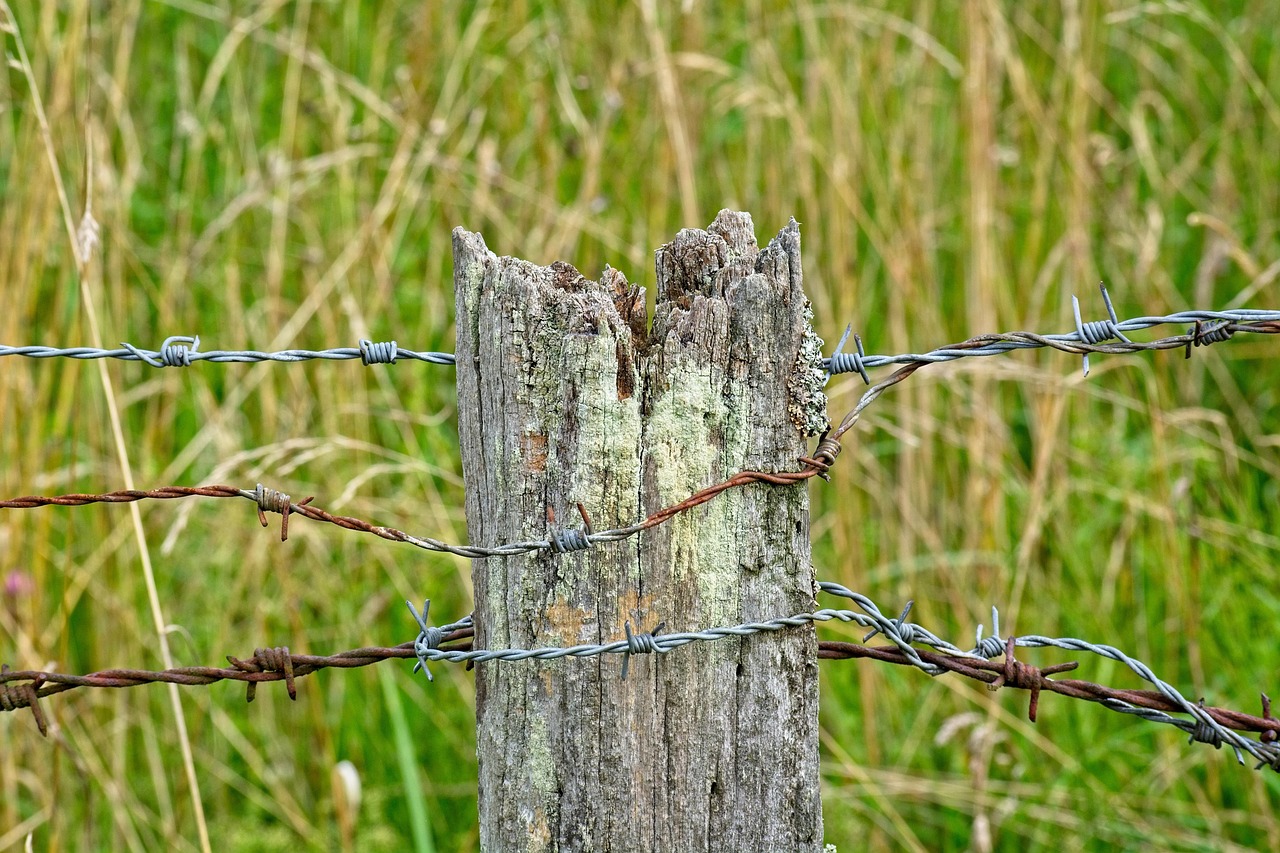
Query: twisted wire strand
[(1206, 724), (1244, 320), (1257, 322), (1091, 337), (1202, 723), (1228, 323), (23, 689), (175, 352), (269, 500)]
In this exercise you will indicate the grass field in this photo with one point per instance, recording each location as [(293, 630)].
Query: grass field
[(286, 174)]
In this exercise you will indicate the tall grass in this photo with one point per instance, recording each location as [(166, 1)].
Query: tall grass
[(282, 174)]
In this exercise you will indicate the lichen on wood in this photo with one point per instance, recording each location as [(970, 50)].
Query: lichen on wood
[(566, 396)]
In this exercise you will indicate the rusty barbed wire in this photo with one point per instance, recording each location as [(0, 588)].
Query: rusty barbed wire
[(1208, 724), (25, 688), (1208, 327)]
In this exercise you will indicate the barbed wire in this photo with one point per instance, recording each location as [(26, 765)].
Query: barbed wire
[(1211, 725), (183, 351), (1207, 327), (1088, 338), (24, 689)]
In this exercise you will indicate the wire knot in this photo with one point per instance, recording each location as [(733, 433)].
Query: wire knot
[(173, 352), (823, 457), (1025, 676), (276, 659), (1020, 675), (1204, 731), (429, 637), (989, 647), (377, 353), (270, 500), (898, 628), (640, 644), (562, 541), (1098, 331), (1207, 334), (14, 697), (848, 362)]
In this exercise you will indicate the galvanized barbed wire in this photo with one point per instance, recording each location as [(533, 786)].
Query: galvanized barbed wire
[(1088, 338), (1221, 325), (1208, 327), (1203, 726), (24, 689), (271, 500), (182, 351)]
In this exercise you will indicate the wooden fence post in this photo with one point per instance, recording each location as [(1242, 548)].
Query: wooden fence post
[(565, 397)]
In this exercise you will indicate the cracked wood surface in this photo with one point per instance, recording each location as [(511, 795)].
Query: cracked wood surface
[(565, 396)]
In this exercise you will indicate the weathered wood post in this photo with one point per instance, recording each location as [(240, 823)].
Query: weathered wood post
[(565, 397)]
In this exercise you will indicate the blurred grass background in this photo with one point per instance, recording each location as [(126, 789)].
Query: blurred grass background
[(285, 174)]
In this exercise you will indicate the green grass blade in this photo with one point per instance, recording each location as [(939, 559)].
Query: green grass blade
[(419, 823)]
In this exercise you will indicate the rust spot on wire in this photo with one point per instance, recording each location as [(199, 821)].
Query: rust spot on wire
[(269, 500), (277, 659), (24, 695), (1026, 677), (1206, 334), (1273, 733), (988, 671)]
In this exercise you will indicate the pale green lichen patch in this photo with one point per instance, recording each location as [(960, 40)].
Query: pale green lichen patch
[(806, 399), (685, 457), (540, 773), (563, 436)]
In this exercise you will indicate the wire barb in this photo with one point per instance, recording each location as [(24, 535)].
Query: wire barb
[(429, 638), (1206, 334), (1098, 331), (1026, 677), (848, 362), (1272, 734), (640, 644), (901, 630), (14, 697), (276, 659), (174, 352), (989, 647), (377, 353)]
